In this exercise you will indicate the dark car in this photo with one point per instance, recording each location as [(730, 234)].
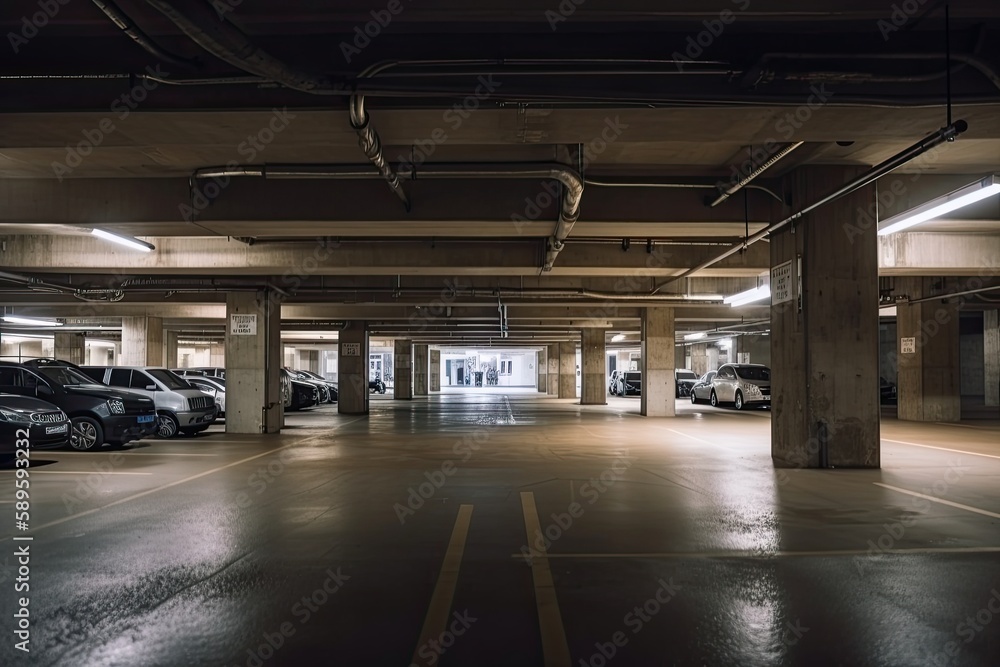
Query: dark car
[(316, 377), (376, 386), (39, 424), (298, 394), (629, 383), (99, 414), (684, 380), (886, 391), (324, 390)]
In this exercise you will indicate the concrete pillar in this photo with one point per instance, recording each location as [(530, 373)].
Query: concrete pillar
[(142, 342), (594, 377), (254, 402), (929, 378), (71, 347), (680, 356), (567, 370), (352, 370), (699, 359), (658, 386), (542, 371), (991, 356), (403, 370), (421, 362), (552, 369), (170, 349), (435, 372), (824, 356)]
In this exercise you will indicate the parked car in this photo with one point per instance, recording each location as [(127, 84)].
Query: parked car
[(683, 381), (39, 423), (299, 394), (629, 382), (210, 371), (180, 408), (324, 390), (613, 381), (702, 389), (886, 391), (214, 387), (331, 386), (742, 385), (376, 386), (98, 414)]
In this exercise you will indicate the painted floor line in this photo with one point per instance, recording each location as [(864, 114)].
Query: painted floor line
[(935, 499), (555, 648), (128, 452), (943, 449), (759, 555), (80, 472), (439, 609)]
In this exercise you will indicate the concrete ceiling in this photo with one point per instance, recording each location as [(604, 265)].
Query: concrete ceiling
[(851, 81)]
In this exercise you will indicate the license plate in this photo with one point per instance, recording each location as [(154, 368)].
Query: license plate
[(145, 419), (49, 430)]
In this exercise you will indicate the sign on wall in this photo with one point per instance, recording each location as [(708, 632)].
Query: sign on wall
[(907, 345), (243, 325), (782, 277), (351, 349)]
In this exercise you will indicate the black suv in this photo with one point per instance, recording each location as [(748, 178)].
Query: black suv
[(99, 414)]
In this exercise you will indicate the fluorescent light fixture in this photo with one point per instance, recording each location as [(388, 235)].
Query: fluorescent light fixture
[(695, 336), (704, 297), (725, 342), (617, 337), (937, 207), (126, 241), (749, 296), (31, 321)]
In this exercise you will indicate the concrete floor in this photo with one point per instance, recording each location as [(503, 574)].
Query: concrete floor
[(671, 542)]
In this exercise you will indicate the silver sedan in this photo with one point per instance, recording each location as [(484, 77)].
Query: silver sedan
[(702, 389)]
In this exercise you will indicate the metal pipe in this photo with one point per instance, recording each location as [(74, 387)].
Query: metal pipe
[(676, 186), (369, 140), (941, 136), (735, 187), (121, 19), (942, 297)]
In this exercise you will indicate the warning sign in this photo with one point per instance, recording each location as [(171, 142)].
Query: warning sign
[(243, 325), (782, 276)]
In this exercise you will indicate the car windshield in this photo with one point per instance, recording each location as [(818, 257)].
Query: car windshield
[(634, 376), (687, 375), (707, 377), (64, 376), (169, 380), (754, 373), (219, 381)]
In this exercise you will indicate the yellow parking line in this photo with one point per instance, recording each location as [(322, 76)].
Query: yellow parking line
[(554, 647), (439, 610), (935, 499)]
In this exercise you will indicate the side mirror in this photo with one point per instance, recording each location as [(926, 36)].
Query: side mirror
[(150, 387), (43, 390)]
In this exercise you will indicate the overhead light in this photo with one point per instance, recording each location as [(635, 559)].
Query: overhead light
[(126, 241), (749, 296), (937, 207), (704, 297), (31, 321), (695, 336), (617, 337), (725, 342)]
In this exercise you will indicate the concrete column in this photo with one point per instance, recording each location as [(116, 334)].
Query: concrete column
[(403, 371), (567, 370), (421, 362), (435, 372), (824, 356), (699, 358), (658, 387), (170, 349), (552, 369), (929, 378), (594, 377), (142, 342), (680, 356), (71, 347), (541, 371), (352, 370), (991, 356), (254, 402)]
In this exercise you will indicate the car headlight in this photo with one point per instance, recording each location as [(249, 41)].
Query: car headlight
[(117, 407), (14, 417), (753, 390)]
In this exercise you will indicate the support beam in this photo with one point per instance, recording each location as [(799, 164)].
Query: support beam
[(402, 370), (567, 370), (142, 341), (991, 350), (824, 356), (541, 371), (254, 400), (593, 363), (352, 370), (421, 363), (658, 386), (71, 347), (552, 363), (929, 377)]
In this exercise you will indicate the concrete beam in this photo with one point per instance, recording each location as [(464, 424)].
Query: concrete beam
[(926, 254)]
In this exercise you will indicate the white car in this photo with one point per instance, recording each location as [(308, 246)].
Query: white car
[(742, 385), (702, 389), (213, 386)]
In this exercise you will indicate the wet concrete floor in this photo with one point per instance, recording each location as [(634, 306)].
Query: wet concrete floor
[(501, 528)]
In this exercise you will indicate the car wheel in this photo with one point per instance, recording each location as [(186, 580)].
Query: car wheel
[(694, 399), (87, 434), (738, 404), (713, 399), (166, 426)]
